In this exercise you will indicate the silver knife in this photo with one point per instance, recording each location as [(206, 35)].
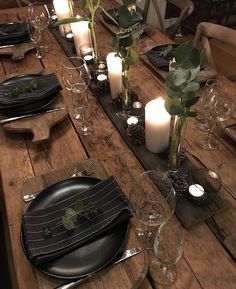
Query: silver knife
[(121, 257), (10, 119)]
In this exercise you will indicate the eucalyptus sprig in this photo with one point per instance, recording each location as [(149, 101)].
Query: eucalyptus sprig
[(130, 31), (28, 86), (181, 83), (80, 209)]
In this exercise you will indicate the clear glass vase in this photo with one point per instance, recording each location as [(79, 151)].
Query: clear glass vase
[(177, 137), (126, 98)]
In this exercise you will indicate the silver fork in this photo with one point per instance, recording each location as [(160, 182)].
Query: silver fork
[(85, 172)]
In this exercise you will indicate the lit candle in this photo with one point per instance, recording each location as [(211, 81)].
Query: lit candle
[(82, 36), (62, 10), (132, 120), (196, 190), (114, 65), (87, 53), (69, 37), (157, 126), (101, 77)]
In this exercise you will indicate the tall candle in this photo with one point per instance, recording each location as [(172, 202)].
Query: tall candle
[(157, 126), (82, 36), (114, 66), (62, 10)]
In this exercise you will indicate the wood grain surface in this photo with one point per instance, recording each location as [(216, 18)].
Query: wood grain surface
[(208, 261), (39, 125)]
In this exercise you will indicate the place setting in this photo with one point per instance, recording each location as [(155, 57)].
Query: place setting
[(92, 216), (31, 103), (15, 39)]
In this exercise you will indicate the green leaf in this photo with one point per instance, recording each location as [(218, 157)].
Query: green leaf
[(134, 56), (174, 106), (191, 87), (127, 19), (71, 214), (168, 51), (181, 76), (71, 20), (78, 206), (187, 55), (124, 40), (67, 223)]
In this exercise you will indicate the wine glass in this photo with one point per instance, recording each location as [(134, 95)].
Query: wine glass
[(35, 36), (209, 101), (39, 16), (152, 198), (76, 78), (168, 249)]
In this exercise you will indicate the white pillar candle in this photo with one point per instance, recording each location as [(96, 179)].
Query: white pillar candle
[(114, 66), (62, 10), (82, 36), (157, 126)]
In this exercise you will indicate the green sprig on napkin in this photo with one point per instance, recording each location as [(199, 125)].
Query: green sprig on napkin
[(29, 86), (80, 209)]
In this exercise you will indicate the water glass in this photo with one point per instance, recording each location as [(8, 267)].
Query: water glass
[(152, 198), (168, 249), (35, 36), (76, 78)]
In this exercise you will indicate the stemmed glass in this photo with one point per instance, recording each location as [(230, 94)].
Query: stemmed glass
[(218, 108), (152, 198), (209, 103), (168, 249), (212, 86), (39, 17), (76, 78), (35, 36)]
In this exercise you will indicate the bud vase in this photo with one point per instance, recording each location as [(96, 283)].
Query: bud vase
[(177, 137), (126, 98)]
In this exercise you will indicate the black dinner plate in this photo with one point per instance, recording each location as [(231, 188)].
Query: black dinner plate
[(16, 110), (13, 33), (88, 258)]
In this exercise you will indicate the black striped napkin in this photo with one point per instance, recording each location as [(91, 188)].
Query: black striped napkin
[(45, 236), (13, 33), (46, 85)]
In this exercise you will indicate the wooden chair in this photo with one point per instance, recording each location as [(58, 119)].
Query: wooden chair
[(186, 7), (206, 31)]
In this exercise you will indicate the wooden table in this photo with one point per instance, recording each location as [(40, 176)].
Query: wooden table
[(210, 247)]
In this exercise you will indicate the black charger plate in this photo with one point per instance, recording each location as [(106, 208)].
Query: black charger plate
[(16, 110), (89, 258)]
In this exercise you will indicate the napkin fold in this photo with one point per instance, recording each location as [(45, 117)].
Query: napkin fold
[(45, 236), (22, 91), (13, 33), (155, 57)]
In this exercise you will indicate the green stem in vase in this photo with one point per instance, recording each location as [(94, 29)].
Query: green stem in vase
[(175, 146), (125, 80)]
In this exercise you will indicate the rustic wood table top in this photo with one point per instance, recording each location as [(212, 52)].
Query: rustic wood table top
[(210, 247)]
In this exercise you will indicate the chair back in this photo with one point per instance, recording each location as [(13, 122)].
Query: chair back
[(186, 8), (206, 31)]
